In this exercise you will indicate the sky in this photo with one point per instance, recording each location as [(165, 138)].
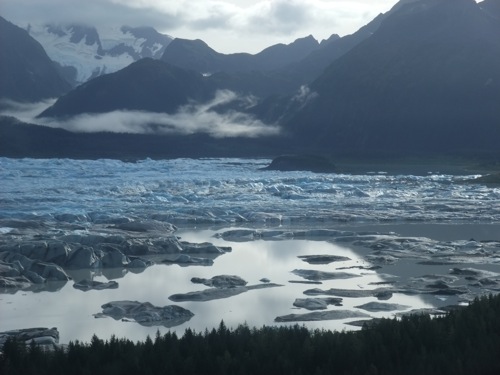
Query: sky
[(227, 26)]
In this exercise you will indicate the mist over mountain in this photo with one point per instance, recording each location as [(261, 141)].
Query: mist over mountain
[(20, 140), (148, 85), (427, 80), (26, 72), (421, 79), (84, 52)]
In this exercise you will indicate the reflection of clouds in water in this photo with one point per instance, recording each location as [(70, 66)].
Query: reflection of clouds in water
[(72, 310)]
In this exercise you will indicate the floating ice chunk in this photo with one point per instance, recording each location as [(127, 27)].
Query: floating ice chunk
[(381, 306), (323, 259), (218, 293), (315, 275), (145, 313), (321, 315), (317, 303)]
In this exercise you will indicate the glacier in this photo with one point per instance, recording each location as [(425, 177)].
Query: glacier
[(233, 191), (425, 242), (93, 52)]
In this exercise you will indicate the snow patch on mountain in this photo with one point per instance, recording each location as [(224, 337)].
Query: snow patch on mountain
[(92, 52)]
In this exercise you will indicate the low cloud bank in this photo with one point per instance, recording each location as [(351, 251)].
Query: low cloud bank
[(189, 119)]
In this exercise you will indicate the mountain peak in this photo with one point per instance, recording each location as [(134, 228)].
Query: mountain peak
[(197, 55), (330, 39), (426, 79), (90, 52)]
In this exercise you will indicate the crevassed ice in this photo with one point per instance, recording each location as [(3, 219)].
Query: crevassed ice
[(233, 190)]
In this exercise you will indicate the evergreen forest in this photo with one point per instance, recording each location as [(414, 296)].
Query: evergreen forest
[(464, 341)]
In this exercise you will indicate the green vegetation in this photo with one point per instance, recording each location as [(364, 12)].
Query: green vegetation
[(465, 341)]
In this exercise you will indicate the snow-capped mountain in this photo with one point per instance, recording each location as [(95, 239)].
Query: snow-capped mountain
[(84, 52)]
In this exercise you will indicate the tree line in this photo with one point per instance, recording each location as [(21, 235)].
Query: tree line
[(464, 341)]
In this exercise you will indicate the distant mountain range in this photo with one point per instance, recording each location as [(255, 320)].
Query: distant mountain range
[(197, 55), (85, 52), (423, 78)]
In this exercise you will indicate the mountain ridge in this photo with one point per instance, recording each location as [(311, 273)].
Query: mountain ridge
[(147, 85), (26, 71), (428, 78), (197, 55), (91, 52), (422, 78)]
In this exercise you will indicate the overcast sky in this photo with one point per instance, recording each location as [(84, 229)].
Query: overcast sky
[(227, 26)]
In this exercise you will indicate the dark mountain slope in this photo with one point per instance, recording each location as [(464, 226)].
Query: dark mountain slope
[(26, 72), (197, 55), (147, 84), (428, 80), (315, 63), (492, 8), (277, 70)]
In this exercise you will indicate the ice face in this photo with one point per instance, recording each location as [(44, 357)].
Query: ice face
[(229, 191)]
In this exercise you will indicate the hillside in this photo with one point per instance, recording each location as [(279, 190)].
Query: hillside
[(26, 72), (148, 85), (426, 81)]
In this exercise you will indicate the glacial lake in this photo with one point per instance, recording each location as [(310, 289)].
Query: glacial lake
[(432, 240)]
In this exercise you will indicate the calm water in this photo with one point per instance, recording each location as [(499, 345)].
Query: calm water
[(72, 310)]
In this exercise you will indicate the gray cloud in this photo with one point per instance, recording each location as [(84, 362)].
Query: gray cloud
[(281, 17), (214, 21), (226, 25), (90, 12), (190, 119)]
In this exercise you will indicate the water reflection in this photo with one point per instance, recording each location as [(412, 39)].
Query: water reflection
[(71, 311)]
